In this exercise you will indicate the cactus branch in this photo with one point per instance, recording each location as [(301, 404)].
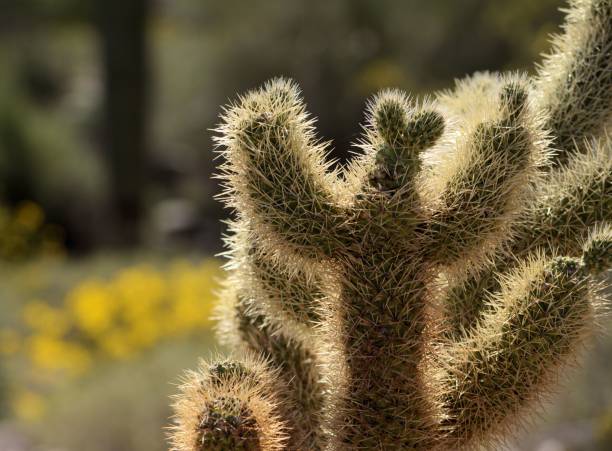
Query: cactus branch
[(286, 292), (276, 174), (575, 198), (571, 202), (398, 132), (245, 325), (228, 406), (597, 250), (539, 319), (575, 80), (488, 179)]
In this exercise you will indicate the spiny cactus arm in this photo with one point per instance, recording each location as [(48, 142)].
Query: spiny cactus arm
[(397, 131), (243, 325), (384, 179), (275, 173), (470, 96), (285, 292), (536, 324), (481, 186), (572, 200), (226, 406), (575, 81)]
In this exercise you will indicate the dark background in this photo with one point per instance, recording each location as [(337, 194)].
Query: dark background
[(127, 92)]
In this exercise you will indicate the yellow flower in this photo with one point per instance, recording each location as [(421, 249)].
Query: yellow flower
[(192, 300), (116, 345), (140, 291), (144, 333), (50, 353), (93, 307), (41, 317), (187, 313), (29, 406), (133, 311)]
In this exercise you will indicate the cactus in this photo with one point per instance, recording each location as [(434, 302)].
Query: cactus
[(430, 293), (229, 406)]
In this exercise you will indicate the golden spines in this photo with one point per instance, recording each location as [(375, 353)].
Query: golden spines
[(289, 349), (574, 82), (573, 199), (229, 405), (275, 173), (597, 249), (398, 131), (569, 202), (286, 292), (485, 182), (334, 280), (535, 325)]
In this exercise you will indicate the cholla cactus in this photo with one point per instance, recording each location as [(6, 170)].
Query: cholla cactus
[(429, 294), (236, 408)]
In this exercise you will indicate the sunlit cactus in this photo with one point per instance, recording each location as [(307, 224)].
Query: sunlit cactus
[(574, 85), (430, 293), (229, 405)]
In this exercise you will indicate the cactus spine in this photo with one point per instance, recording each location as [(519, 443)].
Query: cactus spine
[(430, 293), (229, 405)]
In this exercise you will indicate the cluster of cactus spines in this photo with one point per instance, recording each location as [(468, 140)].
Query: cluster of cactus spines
[(299, 383), (537, 321), (428, 294), (597, 250), (292, 296), (229, 405), (270, 312), (574, 82), (271, 143), (397, 134), (569, 202), (487, 176)]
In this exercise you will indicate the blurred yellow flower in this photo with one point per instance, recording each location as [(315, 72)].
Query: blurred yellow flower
[(29, 406), (93, 307), (23, 233), (54, 354), (115, 344), (120, 317), (42, 317), (193, 289), (140, 290)]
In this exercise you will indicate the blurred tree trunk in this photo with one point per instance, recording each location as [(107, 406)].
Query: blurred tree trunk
[(122, 27)]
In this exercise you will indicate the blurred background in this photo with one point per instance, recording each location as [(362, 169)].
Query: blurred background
[(108, 226)]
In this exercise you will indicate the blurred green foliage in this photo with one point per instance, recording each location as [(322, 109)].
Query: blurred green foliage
[(202, 53), (41, 159)]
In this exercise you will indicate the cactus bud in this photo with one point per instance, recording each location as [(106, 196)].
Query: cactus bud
[(229, 405)]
